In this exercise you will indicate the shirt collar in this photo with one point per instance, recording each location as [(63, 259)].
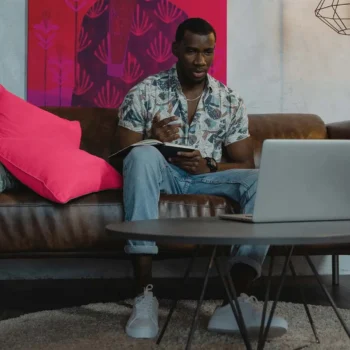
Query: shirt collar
[(175, 82)]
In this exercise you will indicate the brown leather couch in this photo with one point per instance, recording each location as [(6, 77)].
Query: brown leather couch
[(34, 227)]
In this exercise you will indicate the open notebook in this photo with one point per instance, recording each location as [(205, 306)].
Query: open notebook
[(167, 149)]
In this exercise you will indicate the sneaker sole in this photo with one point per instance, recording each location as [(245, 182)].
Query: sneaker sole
[(142, 333), (253, 332)]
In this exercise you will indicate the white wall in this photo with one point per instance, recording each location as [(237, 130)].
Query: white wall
[(13, 45), (281, 58)]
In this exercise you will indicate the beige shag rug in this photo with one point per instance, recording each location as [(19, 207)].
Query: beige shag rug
[(101, 326)]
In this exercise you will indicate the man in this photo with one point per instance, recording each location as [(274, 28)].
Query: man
[(187, 106)]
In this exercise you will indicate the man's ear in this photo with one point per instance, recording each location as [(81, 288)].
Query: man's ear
[(175, 48)]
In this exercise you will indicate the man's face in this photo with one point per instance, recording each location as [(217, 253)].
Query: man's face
[(195, 55)]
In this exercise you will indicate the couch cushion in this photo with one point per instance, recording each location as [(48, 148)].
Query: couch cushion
[(20, 119), (56, 171), (30, 223), (98, 127), (284, 126), (339, 130)]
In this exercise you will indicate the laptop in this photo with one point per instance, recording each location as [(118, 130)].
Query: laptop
[(301, 180)]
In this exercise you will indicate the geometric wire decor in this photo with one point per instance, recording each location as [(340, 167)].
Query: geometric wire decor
[(335, 14)]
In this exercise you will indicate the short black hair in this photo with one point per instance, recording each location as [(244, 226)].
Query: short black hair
[(196, 26)]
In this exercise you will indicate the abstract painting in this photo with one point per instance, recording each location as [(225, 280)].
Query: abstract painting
[(92, 52)]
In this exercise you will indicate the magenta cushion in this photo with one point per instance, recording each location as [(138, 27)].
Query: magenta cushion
[(57, 173), (20, 119)]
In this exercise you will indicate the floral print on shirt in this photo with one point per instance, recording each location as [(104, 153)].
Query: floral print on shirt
[(220, 118)]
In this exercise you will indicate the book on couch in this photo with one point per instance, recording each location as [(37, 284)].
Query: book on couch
[(167, 149)]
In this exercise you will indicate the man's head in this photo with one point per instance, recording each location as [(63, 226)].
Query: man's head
[(194, 48)]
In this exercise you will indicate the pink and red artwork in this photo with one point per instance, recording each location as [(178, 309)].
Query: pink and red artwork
[(92, 52)]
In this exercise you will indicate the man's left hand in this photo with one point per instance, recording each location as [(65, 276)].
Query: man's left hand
[(192, 162)]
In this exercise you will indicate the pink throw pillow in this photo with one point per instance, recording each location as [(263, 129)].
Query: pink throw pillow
[(57, 173), (20, 119)]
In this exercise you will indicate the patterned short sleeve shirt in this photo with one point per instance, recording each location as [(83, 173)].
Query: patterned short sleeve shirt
[(220, 118)]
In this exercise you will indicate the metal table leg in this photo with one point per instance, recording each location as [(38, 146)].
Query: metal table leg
[(301, 290), (262, 340), (267, 296), (330, 299), (236, 309), (335, 270), (205, 283), (178, 294), (232, 296)]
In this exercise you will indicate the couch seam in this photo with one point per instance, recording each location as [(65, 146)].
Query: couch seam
[(57, 204), (105, 205)]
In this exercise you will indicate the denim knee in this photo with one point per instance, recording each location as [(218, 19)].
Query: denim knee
[(143, 155)]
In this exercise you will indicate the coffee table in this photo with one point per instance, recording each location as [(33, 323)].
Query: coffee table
[(216, 233)]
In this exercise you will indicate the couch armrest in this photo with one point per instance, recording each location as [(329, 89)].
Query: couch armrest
[(339, 130)]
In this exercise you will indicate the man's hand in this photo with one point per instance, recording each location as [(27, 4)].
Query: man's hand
[(162, 131), (192, 162)]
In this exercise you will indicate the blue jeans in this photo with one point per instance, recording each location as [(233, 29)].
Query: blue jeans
[(147, 174)]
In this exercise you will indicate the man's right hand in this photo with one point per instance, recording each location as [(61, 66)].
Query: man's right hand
[(162, 131)]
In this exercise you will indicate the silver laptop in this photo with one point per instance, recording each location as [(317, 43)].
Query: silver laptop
[(301, 180)]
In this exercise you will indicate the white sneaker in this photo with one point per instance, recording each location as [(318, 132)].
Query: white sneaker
[(143, 322), (224, 321)]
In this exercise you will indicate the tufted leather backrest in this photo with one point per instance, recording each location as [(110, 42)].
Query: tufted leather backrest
[(99, 128), (284, 126)]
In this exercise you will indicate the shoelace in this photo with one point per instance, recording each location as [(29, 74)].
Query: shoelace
[(252, 300), (144, 302), (248, 299)]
